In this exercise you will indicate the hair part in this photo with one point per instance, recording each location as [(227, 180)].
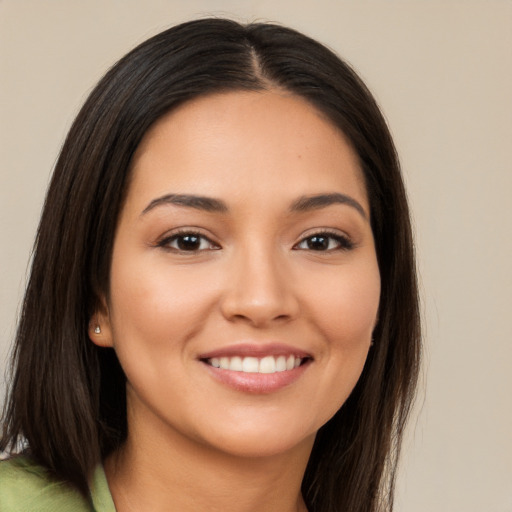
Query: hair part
[(67, 396)]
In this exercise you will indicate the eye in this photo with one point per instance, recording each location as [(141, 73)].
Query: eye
[(325, 241), (188, 241)]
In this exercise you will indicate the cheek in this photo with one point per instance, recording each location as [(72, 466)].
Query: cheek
[(346, 307), (156, 307), (344, 311)]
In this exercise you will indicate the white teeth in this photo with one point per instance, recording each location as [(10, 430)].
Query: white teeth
[(267, 364), (250, 364), (281, 364), (235, 364)]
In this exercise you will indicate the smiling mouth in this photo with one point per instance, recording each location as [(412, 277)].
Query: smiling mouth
[(265, 365)]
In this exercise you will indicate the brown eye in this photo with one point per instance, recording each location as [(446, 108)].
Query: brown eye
[(188, 242), (318, 243), (325, 242)]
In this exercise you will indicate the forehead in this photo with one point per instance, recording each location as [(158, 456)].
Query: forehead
[(230, 144)]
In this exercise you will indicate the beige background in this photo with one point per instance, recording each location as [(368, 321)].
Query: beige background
[(442, 71)]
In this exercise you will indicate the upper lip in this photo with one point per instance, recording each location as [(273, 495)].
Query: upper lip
[(256, 350)]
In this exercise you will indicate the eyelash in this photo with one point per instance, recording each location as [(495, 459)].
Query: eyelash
[(166, 242), (343, 243)]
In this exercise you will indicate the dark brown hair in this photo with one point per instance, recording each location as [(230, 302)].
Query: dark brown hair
[(67, 398)]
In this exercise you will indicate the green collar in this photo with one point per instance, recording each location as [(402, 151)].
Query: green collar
[(100, 493)]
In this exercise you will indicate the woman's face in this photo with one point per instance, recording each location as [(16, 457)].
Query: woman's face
[(244, 281)]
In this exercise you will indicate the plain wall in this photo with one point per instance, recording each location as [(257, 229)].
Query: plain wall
[(442, 71)]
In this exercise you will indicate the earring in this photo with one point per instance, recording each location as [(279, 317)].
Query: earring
[(97, 330)]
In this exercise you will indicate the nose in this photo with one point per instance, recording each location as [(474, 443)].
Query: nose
[(259, 289)]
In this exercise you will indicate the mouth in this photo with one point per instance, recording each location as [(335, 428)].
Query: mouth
[(255, 368), (265, 365)]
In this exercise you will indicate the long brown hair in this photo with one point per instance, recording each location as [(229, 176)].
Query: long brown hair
[(67, 400)]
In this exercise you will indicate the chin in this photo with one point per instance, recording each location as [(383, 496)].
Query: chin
[(259, 445), (253, 438)]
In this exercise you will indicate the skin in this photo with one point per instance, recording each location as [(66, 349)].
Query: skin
[(194, 442)]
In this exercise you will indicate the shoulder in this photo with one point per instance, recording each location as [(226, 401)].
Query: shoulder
[(26, 486)]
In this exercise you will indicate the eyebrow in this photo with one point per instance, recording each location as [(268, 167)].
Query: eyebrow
[(210, 204), (306, 203), (207, 204)]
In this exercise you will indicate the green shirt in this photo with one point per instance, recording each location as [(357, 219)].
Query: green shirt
[(26, 487)]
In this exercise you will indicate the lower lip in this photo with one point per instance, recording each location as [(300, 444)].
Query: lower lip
[(258, 383)]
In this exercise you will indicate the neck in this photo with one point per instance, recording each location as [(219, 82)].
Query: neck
[(167, 472)]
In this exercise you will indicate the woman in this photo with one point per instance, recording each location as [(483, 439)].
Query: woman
[(222, 310)]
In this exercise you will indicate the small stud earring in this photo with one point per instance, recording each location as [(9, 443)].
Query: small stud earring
[(97, 330)]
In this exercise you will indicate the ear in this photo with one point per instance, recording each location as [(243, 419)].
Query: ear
[(100, 330)]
